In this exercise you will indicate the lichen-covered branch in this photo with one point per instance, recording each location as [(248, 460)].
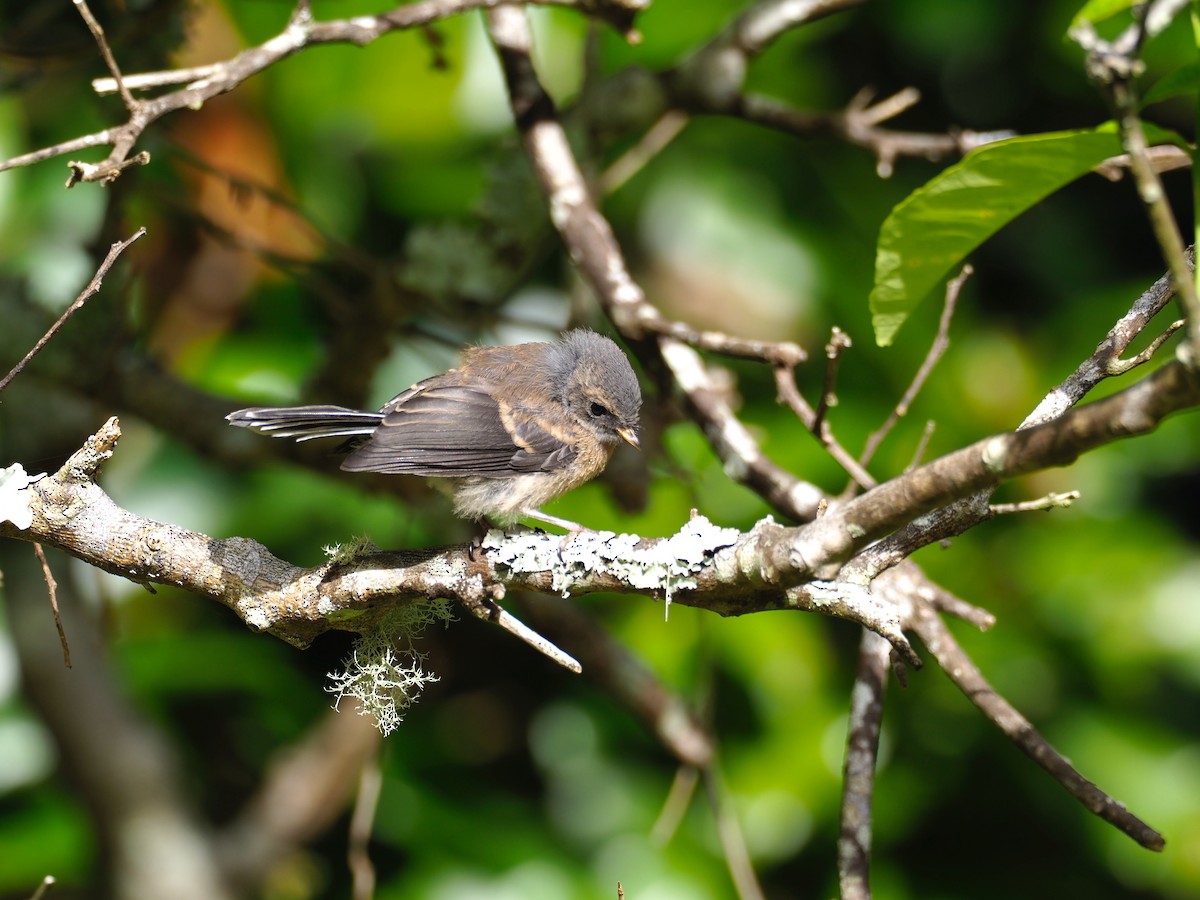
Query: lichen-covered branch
[(723, 570)]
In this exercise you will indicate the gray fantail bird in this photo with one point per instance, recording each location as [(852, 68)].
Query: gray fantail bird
[(510, 429)]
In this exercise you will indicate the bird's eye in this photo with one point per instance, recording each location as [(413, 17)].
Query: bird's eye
[(599, 411)]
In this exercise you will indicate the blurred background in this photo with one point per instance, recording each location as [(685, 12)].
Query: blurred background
[(337, 228)]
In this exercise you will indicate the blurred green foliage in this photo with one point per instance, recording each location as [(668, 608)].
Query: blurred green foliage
[(513, 778)]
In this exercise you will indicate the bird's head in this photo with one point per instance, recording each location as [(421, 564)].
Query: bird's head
[(598, 386)]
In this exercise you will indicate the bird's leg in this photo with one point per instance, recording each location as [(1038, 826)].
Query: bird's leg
[(476, 545), (572, 527)]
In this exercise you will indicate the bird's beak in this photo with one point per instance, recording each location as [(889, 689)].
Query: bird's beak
[(629, 436)]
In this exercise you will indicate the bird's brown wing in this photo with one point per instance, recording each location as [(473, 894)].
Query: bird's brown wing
[(454, 430)]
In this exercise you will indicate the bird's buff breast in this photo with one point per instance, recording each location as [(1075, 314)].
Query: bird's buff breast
[(504, 500)]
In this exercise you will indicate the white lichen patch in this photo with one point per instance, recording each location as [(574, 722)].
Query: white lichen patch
[(256, 617), (385, 685), (14, 499), (384, 673), (995, 452), (448, 569), (665, 565)]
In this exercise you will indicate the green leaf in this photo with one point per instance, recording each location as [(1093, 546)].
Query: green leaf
[(1099, 10), (934, 228), (1184, 80)]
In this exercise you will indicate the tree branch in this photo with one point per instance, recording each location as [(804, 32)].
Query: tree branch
[(301, 32), (966, 675), (858, 782)]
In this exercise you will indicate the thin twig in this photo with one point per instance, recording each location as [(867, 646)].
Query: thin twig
[(92, 288), (491, 612), (709, 406), (1106, 360), (1113, 67), (1050, 501), (624, 677), (1120, 366), (52, 589), (675, 806), (109, 60), (839, 342), (222, 77), (953, 605), (362, 819), (861, 127), (967, 677), (779, 353), (147, 80), (922, 445), (97, 139), (863, 112), (42, 889), (788, 393), (862, 749), (1164, 157), (653, 142), (941, 342), (733, 842)]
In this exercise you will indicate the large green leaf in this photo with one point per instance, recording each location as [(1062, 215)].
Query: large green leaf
[(935, 227), (1184, 80)]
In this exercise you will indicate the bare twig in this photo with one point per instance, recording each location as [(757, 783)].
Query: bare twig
[(96, 139), (222, 77), (305, 789), (624, 677), (109, 170), (922, 445), (92, 288), (839, 342), (358, 853), (1106, 360), (42, 889), (52, 589), (590, 240), (861, 127), (941, 599), (1164, 157), (737, 857), (675, 806), (766, 21), (779, 353), (785, 385), (147, 80), (106, 52), (653, 142), (1050, 501), (732, 441), (941, 342), (1112, 67), (861, 111), (858, 783), (490, 611), (966, 675), (1120, 366)]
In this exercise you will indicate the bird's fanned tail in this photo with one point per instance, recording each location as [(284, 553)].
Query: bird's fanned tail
[(304, 423)]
